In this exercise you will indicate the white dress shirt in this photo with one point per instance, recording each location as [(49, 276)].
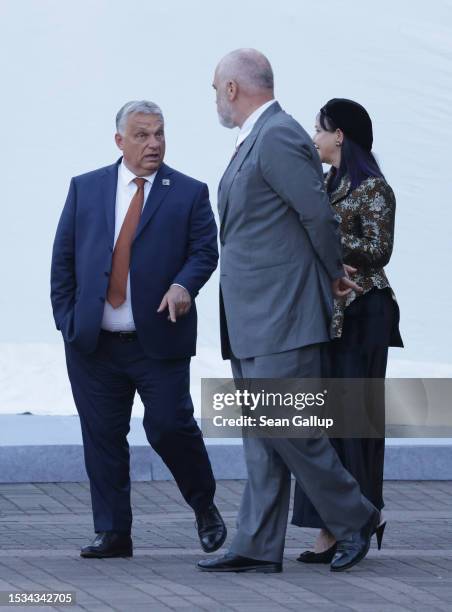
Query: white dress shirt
[(247, 127), (121, 318)]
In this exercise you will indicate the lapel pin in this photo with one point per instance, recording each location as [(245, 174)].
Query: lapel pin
[(166, 182)]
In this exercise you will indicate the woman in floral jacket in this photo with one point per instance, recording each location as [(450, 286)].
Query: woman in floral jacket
[(364, 324)]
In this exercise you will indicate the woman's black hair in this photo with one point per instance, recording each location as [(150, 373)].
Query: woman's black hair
[(356, 162)]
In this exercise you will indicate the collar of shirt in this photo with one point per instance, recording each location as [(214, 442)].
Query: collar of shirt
[(126, 176), (247, 127)]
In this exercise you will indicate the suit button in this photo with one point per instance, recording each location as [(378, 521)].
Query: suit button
[(222, 242), (102, 299), (107, 273), (111, 249)]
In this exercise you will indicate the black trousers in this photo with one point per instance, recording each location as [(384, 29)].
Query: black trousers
[(370, 327), (104, 385)]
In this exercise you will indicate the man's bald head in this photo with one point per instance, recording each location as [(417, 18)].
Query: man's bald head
[(243, 82), (249, 68)]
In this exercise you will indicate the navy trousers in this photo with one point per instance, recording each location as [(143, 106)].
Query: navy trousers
[(104, 385)]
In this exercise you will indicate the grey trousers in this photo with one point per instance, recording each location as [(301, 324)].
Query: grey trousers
[(263, 515)]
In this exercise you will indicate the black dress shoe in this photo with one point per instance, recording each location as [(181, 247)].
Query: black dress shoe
[(326, 556), (234, 563), (109, 544), (211, 529), (350, 552)]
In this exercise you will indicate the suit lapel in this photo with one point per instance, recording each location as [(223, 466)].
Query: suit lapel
[(235, 165), (231, 171), (220, 184), (159, 190), (109, 186), (227, 179)]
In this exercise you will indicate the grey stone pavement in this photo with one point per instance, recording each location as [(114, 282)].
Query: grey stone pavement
[(42, 527)]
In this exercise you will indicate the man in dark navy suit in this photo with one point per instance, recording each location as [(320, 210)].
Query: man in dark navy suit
[(135, 243)]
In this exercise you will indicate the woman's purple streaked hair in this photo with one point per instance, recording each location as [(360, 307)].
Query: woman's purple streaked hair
[(356, 162)]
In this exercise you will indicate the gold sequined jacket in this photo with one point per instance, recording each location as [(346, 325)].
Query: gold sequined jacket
[(366, 218)]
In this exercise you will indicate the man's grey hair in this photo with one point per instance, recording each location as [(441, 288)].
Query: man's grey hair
[(250, 68), (135, 106)]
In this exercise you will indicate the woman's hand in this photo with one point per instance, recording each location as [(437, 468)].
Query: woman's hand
[(349, 270), (343, 286)]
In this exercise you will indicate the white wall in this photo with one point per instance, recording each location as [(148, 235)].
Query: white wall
[(66, 67)]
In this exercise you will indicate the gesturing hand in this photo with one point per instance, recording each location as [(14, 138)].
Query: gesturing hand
[(177, 300), (342, 286)]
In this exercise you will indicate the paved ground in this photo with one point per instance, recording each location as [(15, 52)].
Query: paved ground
[(43, 526)]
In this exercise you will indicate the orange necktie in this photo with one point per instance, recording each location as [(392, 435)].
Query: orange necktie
[(117, 288)]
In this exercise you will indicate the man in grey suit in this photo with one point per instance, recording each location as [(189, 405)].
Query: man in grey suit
[(280, 264)]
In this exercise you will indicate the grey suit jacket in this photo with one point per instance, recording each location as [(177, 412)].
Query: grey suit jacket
[(280, 245)]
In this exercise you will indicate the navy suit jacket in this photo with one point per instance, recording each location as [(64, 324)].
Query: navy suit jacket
[(176, 242)]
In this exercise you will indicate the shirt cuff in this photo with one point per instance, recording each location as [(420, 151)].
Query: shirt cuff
[(177, 285)]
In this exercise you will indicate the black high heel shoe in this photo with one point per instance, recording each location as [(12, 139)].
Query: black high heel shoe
[(308, 556), (379, 531)]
